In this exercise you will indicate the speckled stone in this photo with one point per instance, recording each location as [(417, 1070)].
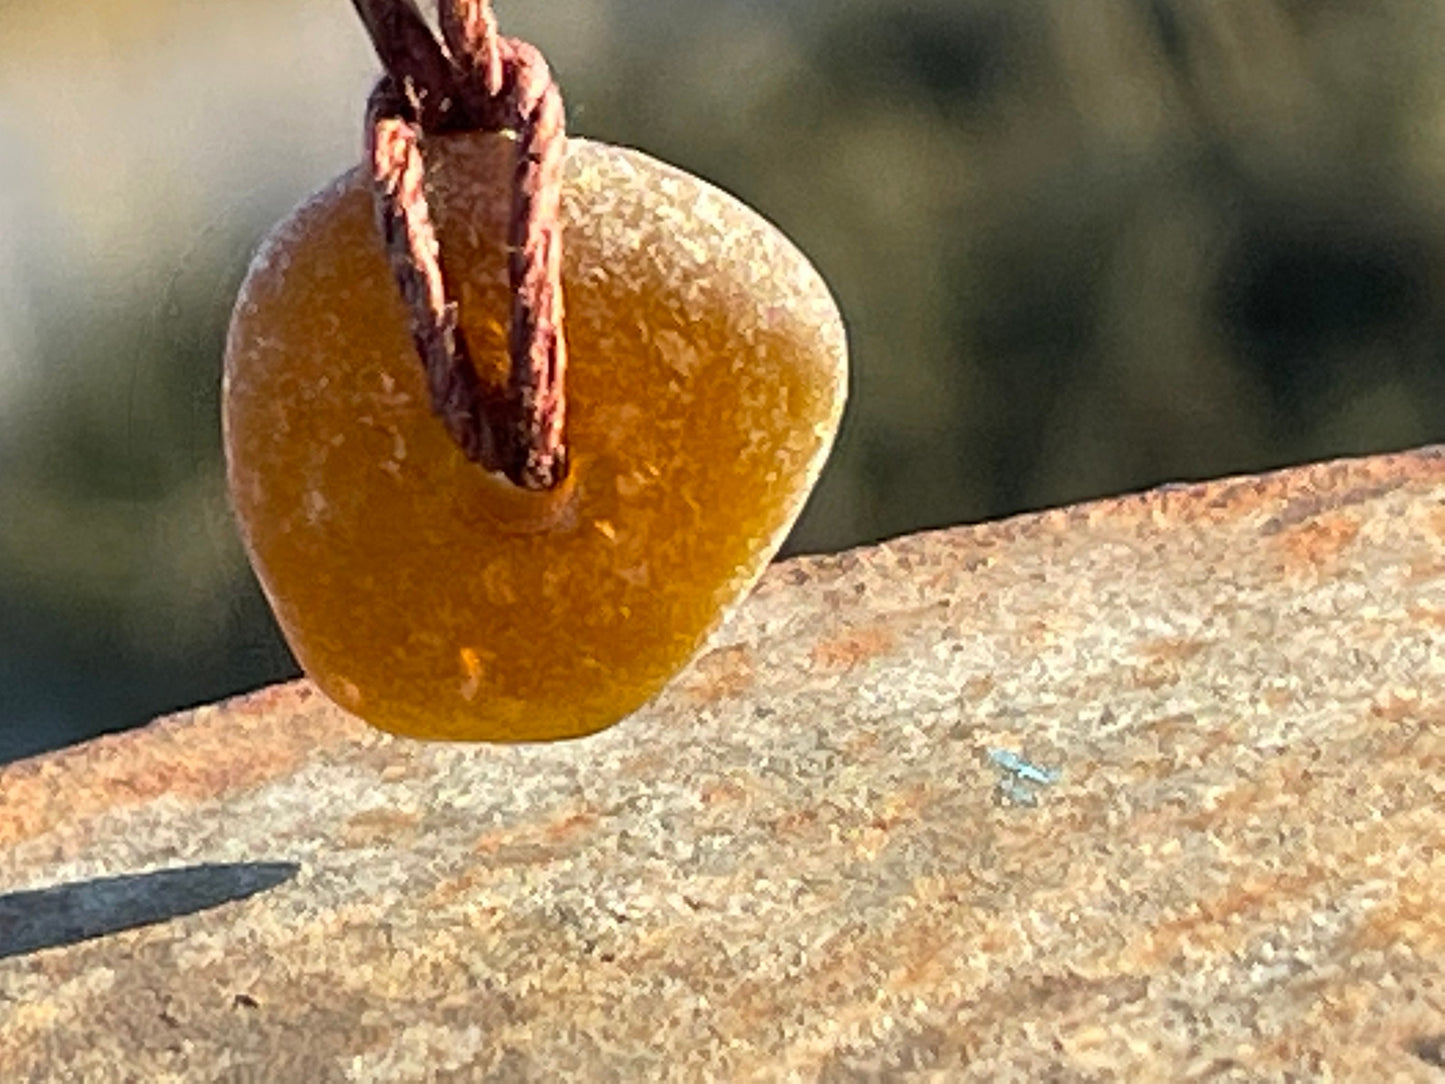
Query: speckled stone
[(802, 861)]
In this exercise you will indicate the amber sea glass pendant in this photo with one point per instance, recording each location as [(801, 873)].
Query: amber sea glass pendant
[(706, 377)]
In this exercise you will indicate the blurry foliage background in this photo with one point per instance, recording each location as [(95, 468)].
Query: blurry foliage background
[(1082, 247)]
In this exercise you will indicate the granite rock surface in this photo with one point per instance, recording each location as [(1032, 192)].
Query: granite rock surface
[(1146, 789)]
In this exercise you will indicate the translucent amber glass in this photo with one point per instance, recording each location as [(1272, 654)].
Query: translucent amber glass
[(706, 378)]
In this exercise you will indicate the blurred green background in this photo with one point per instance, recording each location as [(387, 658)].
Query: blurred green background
[(1082, 247)]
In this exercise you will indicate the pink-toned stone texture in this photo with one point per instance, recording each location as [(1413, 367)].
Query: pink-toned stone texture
[(802, 862)]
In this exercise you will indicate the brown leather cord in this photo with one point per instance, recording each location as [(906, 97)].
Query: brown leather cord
[(475, 80)]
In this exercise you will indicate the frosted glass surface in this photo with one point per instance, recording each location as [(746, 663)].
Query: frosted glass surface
[(707, 373)]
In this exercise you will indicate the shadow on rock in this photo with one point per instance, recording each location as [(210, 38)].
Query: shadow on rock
[(64, 914)]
